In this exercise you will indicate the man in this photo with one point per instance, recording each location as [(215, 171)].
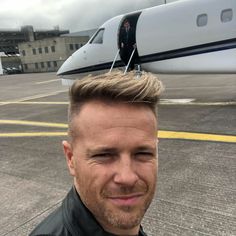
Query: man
[(127, 43), (111, 153)]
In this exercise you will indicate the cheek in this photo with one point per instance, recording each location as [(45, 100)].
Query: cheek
[(148, 172), (92, 177)]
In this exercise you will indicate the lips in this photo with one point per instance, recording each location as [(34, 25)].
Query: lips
[(126, 200)]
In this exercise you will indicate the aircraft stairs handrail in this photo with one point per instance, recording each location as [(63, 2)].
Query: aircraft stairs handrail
[(126, 68), (137, 66), (113, 63)]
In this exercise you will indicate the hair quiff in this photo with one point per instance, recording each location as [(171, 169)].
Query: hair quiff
[(115, 87)]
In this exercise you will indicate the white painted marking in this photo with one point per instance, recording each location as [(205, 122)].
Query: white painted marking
[(200, 87), (67, 82), (32, 97), (177, 101), (48, 81), (193, 102), (232, 103)]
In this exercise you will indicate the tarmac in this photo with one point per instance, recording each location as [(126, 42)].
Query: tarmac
[(196, 192)]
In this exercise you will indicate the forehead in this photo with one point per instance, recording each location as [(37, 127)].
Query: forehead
[(104, 115)]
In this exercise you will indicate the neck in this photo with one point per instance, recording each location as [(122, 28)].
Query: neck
[(123, 232), (126, 235)]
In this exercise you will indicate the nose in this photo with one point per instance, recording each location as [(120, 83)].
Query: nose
[(126, 173)]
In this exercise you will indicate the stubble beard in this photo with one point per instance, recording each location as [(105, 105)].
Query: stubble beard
[(123, 217)]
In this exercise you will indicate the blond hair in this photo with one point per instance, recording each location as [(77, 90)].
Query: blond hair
[(115, 87)]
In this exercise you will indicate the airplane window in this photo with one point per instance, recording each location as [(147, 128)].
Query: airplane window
[(226, 15), (202, 20), (98, 37)]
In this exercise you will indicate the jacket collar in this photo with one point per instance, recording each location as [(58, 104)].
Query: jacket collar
[(79, 220)]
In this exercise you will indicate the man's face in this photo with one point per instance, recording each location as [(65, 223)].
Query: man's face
[(114, 162), (126, 24)]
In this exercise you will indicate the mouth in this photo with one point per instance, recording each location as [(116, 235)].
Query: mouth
[(126, 200)]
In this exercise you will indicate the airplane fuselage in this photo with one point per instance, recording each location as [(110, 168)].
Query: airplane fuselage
[(189, 36)]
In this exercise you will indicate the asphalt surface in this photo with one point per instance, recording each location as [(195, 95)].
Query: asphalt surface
[(197, 154)]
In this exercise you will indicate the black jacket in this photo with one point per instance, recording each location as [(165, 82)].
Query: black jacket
[(127, 38), (72, 218)]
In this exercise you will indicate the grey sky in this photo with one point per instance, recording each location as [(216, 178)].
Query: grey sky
[(74, 15)]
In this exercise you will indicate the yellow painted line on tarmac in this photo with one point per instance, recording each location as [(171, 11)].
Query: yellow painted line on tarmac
[(35, 103), (33, 123), (161, 134), (162, 102), (32, 134), (196, 136)]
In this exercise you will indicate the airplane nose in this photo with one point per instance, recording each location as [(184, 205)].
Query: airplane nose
[(73, 63), (65, 67)]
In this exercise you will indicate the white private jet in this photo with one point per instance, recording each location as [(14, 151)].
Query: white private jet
[(188, 36)]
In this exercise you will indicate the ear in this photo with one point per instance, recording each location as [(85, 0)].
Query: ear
[(69, 157)]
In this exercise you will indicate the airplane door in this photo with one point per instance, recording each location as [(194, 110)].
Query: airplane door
[(127, 39)]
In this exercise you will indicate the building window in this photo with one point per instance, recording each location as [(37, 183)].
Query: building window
[(71, 47), (34, 51), (76, 46), (202, 20), (53, 48), (36, 65), (48, 64), (226, 15), (46, 49), (40, 50), (23, 52), (55, 64), (42, 64)]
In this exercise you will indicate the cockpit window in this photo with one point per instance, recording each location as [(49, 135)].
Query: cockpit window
[(98, 37)]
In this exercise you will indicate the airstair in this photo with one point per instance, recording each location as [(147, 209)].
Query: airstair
[(137, 66)]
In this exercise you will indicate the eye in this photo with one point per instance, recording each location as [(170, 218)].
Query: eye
[(103, 157), (144, 155)]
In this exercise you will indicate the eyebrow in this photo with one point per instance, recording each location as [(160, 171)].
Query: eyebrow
[(144, 148), (104, 149), (91, 152)]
